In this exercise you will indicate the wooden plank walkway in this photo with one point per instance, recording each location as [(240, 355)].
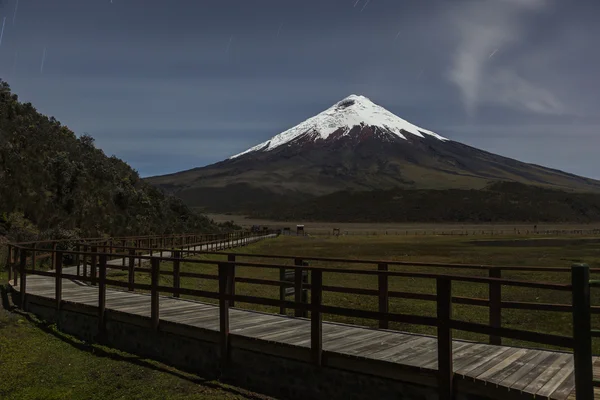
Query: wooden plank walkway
[(502, 369), (543, 374)]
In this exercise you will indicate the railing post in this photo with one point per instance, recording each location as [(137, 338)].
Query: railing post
[(85, 249), (231, 258), (384, 300), (495, 297), (298, 286), (13, 267), (582, 332), (444, 338), (94, 264), (305, 291), (33, 254), (78, 259), (154, 309), (22, 267), (176, 281), (224, 293), (53, 258), (281, 291), (316, 326), (58, 281), (102, 295), (131, 271), (9, 261)]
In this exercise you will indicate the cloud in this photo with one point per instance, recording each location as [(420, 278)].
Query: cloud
[(484, 28), (507, 88)]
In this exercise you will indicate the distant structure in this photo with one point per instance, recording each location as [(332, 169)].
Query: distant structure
[(336, 231), (287, 231), (299, 230)]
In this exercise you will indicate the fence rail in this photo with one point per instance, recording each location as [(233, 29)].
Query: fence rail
[(23, 258)]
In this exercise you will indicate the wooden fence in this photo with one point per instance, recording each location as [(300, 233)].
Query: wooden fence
[(102, 252), (451, 232)]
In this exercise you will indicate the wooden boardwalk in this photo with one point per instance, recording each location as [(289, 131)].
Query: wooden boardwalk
[(503, 371)]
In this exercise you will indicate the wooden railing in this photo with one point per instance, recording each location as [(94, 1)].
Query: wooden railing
[(444, 321)]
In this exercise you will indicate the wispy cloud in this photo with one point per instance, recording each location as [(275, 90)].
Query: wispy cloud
[(507, 88), (484, 27)]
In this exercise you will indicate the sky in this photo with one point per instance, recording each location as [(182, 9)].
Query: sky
[(178, 84)]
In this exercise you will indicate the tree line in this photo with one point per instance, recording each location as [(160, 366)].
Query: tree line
[(54, 184)]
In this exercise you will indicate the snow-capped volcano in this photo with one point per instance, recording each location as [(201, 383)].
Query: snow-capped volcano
[(355, 145), (340, 119)]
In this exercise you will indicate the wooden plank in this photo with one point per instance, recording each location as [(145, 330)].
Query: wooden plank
[(549, 372), (490, 362), (351, 337), (191, 307), (563, 374), (417, 349), (398, 349), (479, 359), (536, 371), (461, 355), (500, 365), (197, 319), (240, 322), (294, 336), (431, 355), (244, 329), (513, 367), (205, 323), (182, 314), (565, 389), (414, 352), (384, 344), (267, 331)]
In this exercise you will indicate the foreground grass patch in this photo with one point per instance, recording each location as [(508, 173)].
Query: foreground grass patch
[(39, 362)]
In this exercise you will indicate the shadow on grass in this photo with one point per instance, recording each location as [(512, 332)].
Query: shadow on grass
[(96, 350)]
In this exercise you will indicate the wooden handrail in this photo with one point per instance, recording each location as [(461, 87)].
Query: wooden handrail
[(581, 309)]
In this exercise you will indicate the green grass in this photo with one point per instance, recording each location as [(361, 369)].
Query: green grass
[(39, 362), (443, 249)]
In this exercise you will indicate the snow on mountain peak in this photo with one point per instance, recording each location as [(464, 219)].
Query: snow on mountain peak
[(354, 110)]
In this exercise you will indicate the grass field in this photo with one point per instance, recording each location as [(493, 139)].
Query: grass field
[(39, 362), (443, 249)]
